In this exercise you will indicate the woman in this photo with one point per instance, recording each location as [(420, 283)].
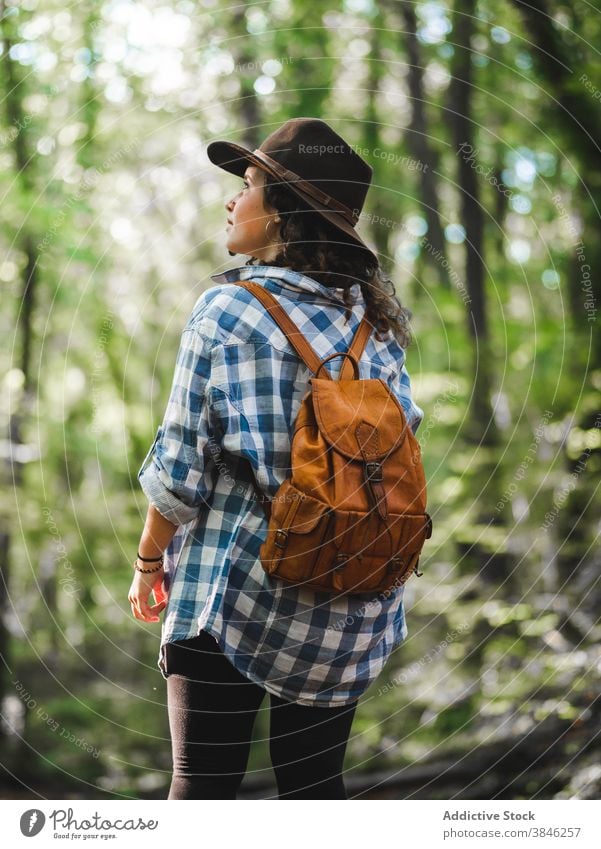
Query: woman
[(231, 633)]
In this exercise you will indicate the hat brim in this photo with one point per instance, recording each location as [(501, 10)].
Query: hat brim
[(235, 159)]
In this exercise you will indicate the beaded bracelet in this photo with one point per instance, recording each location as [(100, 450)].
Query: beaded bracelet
[(156, 569)]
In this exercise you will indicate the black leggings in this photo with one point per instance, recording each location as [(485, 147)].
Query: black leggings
[(211, 722)]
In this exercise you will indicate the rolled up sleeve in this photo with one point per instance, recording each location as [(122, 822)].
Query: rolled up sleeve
[(178, 473)]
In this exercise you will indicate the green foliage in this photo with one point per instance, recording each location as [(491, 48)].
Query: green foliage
[(112, 224)]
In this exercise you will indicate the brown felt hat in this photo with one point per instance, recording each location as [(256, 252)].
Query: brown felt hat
[(315, 163)]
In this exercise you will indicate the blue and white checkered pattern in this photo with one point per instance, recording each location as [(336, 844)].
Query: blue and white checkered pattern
[(236, 392)]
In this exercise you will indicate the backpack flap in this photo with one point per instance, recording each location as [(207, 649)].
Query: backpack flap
[(342, 406)]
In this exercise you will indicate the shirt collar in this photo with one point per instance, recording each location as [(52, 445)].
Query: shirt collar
[(286, 278)]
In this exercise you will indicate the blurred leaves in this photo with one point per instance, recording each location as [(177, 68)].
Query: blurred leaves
[(102, 140)]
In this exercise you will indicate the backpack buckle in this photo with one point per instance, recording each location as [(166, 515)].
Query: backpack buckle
[(393, 564), (340, 560), (281, 538), (374, 471)]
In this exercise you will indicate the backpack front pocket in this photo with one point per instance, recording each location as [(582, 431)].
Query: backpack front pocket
[(295, 535), (368, 554)]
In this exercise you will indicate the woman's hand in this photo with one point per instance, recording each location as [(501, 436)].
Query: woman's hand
[(139, 592), (156, 536)]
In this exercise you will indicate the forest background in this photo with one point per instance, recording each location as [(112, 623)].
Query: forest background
[(482, 122)]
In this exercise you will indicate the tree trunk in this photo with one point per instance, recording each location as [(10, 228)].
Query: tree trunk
[(371, 139), (579, 125), (418, 135), (12, 99), (247, 105), (481, 428)]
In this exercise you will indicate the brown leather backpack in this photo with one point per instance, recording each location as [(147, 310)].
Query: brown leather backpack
[(351, 518)]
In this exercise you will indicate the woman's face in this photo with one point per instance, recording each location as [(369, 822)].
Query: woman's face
[(251, 228)]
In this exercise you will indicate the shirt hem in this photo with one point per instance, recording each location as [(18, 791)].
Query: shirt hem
[(280, 692), (270, 688)]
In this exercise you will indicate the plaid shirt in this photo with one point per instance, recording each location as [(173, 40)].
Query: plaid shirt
[(236, 392)]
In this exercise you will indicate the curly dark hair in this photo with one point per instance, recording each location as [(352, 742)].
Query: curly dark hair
[(311, 245)]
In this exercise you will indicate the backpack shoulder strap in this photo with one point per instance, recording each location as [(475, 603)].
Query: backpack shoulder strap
[(288, 327), (357, 347), (302, 348), (297, 339)]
